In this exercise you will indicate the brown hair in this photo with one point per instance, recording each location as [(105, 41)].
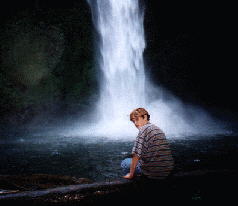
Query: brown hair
[(139, 112)]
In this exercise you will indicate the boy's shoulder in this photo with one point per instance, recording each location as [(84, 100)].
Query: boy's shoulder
[(148, 127), (155, 128)]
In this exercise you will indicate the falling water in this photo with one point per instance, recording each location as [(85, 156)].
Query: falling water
[(120, 25), (124, 85)]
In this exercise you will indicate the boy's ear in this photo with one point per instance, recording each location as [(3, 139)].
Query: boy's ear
[(144, 116)]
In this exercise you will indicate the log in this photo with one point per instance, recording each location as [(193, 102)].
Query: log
[(92, 192), (66, 189)]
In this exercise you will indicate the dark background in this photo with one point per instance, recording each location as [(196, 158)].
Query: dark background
[(191, 51)]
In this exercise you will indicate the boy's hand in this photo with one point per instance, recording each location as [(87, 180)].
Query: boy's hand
[(128, 176)]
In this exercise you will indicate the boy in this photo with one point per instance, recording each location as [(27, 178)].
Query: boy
[(151, 155)]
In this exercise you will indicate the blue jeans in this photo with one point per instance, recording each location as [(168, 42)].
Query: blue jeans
[(125, 165)]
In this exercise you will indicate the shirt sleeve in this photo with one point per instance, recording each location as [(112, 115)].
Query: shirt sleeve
[(138, 146)]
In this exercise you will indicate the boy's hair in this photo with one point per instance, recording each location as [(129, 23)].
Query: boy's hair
[(139, 112)]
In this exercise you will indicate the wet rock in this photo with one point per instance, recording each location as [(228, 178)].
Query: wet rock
[(7, 191), (37, 182)]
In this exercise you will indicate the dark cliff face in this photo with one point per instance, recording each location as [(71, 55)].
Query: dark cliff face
[(189, 52), (47, 63)]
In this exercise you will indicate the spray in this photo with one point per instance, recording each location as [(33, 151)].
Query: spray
[(124, 85)]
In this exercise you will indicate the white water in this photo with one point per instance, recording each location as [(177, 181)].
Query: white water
[(124, 85)]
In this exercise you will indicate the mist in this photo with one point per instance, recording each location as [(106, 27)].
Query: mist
[(49, 80), (125, 84)]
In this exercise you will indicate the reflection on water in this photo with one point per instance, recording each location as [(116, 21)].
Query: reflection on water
[(99, 159)]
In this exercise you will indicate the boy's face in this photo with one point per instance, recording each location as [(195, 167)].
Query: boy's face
[(139, 121)]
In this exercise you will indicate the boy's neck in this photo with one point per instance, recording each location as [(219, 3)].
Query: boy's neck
[(147, 122)]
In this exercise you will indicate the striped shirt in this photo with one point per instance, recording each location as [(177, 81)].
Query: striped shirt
[(154, 152)]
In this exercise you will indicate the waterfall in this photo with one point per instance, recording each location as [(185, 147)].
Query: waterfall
[(123, 84), (120, 26)]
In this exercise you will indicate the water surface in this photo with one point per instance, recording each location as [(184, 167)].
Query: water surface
[(99, 158)]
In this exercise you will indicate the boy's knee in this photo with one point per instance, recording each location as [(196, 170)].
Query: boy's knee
[(126, 163)]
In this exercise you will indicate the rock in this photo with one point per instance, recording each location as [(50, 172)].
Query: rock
[(8, 191), (38, 181)]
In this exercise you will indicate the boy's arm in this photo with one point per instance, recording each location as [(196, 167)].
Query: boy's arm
[(134, 162)]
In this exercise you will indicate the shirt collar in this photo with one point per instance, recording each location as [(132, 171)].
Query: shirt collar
[(144, 127)]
